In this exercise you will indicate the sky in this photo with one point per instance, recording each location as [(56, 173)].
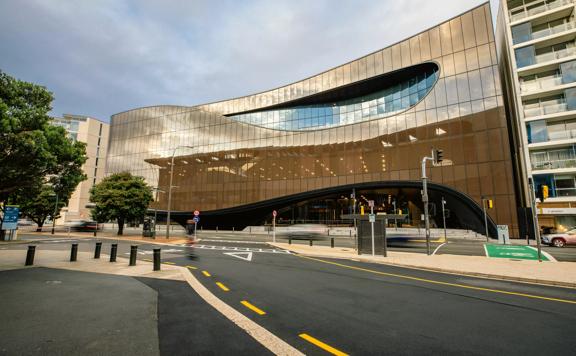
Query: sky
[(101, 57)]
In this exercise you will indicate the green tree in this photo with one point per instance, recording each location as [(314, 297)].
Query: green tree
[(32, 151), (122, 197), (38, 203)]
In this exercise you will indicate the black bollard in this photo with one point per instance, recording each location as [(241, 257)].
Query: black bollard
[(156, 259), (98, 250), (113, 252), (310, 242), (289, 241), (30, 255), (133, 252), (74, 253), (332, 242)]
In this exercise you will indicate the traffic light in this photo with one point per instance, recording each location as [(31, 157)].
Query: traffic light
[(490, 203), (437, 155), (542, 192)]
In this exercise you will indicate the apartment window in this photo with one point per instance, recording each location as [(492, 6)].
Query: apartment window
[(570, 96), (568, 70), (522, 33), (537, 131), (525, 56), (565, 185)]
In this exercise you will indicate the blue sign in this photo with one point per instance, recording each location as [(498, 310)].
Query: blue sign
[(196, 219), (10, 221)]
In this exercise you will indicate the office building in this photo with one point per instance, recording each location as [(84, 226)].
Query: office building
[(95, 134)]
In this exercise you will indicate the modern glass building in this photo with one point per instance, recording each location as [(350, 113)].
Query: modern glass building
[(323, 146)]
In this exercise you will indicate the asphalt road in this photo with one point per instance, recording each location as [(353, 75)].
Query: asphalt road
[(361, 308)]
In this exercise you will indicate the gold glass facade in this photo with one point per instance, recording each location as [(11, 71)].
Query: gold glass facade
[(234, 163)]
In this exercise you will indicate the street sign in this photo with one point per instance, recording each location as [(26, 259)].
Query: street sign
[(10, 221), (274, 213), (196, 213), (372, 218), (513, 251), (503, 235), (196, 219)]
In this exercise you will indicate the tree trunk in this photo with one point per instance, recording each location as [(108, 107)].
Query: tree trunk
[(120, 226), (39, 228)]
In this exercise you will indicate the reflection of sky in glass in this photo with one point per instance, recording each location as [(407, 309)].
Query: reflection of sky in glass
[(386, 102)]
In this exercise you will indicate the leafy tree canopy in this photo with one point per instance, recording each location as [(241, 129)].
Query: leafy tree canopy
[(122, 197), (33, 152)]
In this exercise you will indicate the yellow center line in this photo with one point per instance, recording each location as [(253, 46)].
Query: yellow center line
[(223, 287), (206, 273), (442, 283), (191, 267), (253, 308), (169, 263), (322, 345)]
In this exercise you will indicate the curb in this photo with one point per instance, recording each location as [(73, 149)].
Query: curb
[(450, 271)]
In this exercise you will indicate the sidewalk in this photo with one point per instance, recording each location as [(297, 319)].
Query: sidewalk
[(60, 310), (100, 235), (557, 273)]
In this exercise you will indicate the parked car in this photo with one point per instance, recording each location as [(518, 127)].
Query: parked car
[(560, 239), (84, 225)]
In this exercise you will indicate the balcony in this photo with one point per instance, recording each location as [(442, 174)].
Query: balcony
[(554, 55), (553, 30), (540, 84), (546, 109), (520, 13), (556, 164)]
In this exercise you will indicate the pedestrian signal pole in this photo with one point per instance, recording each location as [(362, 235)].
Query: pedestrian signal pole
[(437, 158)]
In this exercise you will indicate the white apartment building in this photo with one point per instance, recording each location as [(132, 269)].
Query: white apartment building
[(537, 52), (95, 134)]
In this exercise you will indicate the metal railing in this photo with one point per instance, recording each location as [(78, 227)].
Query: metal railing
[(537, 10)]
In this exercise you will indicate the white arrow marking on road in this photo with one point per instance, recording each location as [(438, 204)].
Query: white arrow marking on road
[(237, 255)]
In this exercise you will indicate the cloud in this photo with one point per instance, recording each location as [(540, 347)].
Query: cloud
[(103, 57)]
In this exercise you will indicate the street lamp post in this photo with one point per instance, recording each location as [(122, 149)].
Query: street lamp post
[(170, 189), (54, 215), (444, 217)]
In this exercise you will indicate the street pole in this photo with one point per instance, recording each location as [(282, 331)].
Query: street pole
[(535, 218), (425, 202), (395, 222), (170, 194), (372, 228), (444, 219), (170, 190), (485, 218), (54, 216), (274, 228)]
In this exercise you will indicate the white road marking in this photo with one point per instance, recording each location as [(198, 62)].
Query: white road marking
[(437, 248), (233, 241), (246, 256), (243, 249), (549, 256)]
